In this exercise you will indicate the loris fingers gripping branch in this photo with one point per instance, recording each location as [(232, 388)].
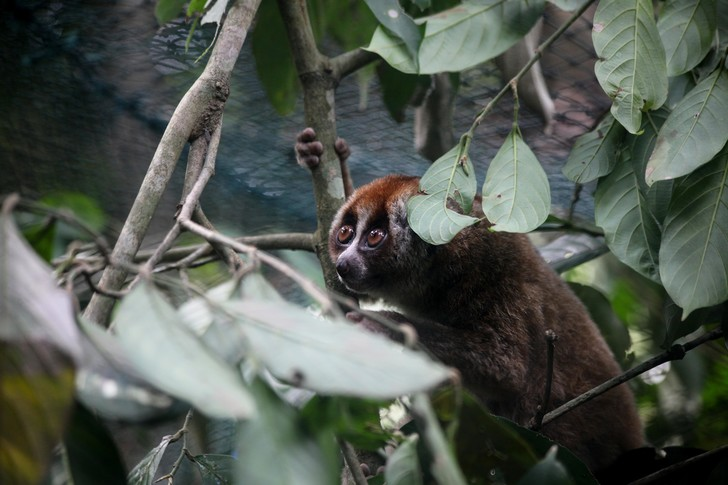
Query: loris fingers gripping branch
[(487, 299)]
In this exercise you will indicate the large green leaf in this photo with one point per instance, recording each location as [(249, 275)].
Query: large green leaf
[(631, 67), (694, 132), (657, 195), (273, 60), (687, 29), (516, 194), (694, 250), (622, 211), (39, 348), (390, 14), (169, 356), (461, 37), (451, 177), (549, 471), (595, 153), (403, 466), (330, 357), (277, 447)]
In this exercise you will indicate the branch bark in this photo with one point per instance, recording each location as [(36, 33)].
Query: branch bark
[(204, 100), (319, 80)]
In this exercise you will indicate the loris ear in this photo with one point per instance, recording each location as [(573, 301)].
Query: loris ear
[(309, 151)]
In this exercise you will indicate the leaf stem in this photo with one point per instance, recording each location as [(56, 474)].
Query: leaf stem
[(535, 58)]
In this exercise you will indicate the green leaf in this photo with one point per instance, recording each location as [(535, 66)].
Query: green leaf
[(276, 447), (196, 6), (331, 357), (610, 326), (169, 356), (167, 10), (143, 473), (474, 32), (516, 194), (595, 153), (443, 466), (92, 453), (216, 469), (694, 132), (403, 466), (397, 89), (622, 211), (461, 37), (486, 443), (694, 250), (450, 178), (631, 67), (39, 349), (687, 29), (548, 471), (641, 146), (273, 59), (391, 15)]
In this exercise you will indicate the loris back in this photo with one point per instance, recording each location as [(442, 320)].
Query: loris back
[(482, 303)]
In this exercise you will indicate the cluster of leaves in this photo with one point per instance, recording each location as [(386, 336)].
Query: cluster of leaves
[(660, 158), (226, 352)]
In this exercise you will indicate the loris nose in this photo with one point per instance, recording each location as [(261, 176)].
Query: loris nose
[(342, 266)]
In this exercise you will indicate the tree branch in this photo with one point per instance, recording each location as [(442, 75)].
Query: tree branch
[(676, 352), (349, 62), (205, 93), (319, 82)]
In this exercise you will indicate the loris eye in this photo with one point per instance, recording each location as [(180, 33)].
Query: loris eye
[(345, 235), (375, 237)]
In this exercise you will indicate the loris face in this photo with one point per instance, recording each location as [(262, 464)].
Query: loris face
[(370, 242)]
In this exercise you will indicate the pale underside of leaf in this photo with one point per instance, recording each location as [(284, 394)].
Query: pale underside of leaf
[(595, 153), (694, 132), (694, 250), (621, 210), (432, 221), (451, 177), (169, 356), (687, 30), (331, 357), (461, 37), (516, 193), (631, 67)]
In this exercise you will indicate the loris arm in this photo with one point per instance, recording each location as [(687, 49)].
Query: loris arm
[(309, 151)]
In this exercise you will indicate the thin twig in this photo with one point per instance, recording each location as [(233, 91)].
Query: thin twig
[(676, 352), (306, 284), (352, 461), (297, 241), (181, 433), (192, 171), (551, 339), (667, 471), (533, 60)]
